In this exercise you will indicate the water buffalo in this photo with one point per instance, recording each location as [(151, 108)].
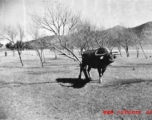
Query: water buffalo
[(98, 59)]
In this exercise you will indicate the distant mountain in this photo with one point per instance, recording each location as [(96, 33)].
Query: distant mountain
[(114, 30), (117, 28), (145, 28), (46, 39)]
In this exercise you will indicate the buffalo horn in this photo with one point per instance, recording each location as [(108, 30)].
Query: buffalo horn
[(99, 54)]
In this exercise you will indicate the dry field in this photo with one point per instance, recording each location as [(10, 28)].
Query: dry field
[(55, 93)]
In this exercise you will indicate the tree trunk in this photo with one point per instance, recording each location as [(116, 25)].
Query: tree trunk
[(127, 52), (13, 53), (143, 50), (43, 56), (19, 53), (137, 49), (41, 62), (55, 54), (40, 57), (119, 48)]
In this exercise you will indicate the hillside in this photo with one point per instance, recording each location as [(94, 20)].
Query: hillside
[(39, 42), (116, 28), (145, 29), (47, 38)]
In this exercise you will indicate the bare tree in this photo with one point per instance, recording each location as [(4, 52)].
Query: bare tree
[(38, 44), (99, 35), (9, 33), (51, 41), (139, 39), (12, 34), (60, 21), (126, 39), (82, 38), (136, 41), (19, 45), (111, 39)]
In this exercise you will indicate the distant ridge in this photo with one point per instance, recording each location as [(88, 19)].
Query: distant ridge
[(117, 28), (145, 28)]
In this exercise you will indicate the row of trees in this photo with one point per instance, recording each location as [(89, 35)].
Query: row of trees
[(83, 35), (70, 32)]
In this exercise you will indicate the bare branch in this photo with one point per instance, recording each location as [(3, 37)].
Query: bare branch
[(60, 21), (9, 33)]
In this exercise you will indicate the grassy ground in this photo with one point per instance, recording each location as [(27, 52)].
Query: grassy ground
[(55, 93)]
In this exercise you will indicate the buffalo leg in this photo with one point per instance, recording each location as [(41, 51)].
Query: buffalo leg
[(89, 75), (85, 72), (101, 73), (83, 68)]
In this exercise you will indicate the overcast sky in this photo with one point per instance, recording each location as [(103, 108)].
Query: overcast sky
[(107, 13)]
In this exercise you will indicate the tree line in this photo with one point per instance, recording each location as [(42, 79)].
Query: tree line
[(70, 32)]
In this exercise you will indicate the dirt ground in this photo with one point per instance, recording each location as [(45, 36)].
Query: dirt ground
[(55, 93)]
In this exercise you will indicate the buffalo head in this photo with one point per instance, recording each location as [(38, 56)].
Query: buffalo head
[(108, 57)]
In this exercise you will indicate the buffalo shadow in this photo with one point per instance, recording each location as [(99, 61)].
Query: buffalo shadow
[(74, 82)]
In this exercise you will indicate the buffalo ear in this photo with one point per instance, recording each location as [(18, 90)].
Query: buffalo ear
[(101, 57)]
